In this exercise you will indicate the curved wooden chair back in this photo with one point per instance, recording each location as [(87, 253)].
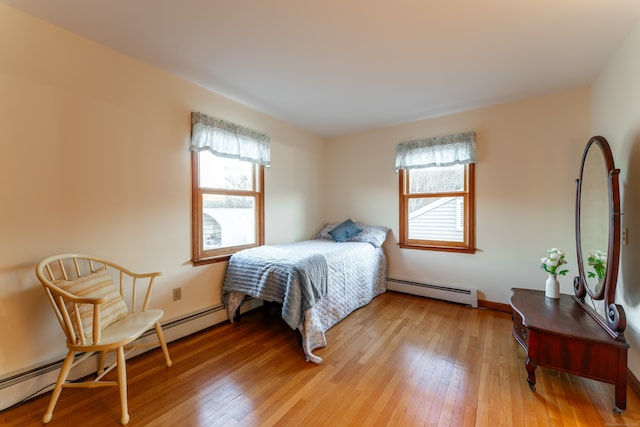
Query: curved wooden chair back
[(64, 268)]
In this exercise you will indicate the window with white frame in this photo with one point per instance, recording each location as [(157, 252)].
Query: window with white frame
[(228, 163), (437, 193)]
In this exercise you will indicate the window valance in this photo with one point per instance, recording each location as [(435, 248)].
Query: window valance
[(440, 151), (229, 140)]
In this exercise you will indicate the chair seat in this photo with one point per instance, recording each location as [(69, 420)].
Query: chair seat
[(129, 327)]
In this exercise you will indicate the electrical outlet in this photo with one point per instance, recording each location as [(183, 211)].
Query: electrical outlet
[(177, 294), (625, 236)]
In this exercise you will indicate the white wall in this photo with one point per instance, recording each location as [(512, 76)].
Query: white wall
[(93, 158), (528, 159), (615, 114)]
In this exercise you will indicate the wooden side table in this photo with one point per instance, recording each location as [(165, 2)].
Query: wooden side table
[(560, 334)]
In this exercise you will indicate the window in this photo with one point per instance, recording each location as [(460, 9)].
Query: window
[(227, 189), (436, 206), (437, 193)]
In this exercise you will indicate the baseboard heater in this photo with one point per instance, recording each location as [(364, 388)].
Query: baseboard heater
[(441, 292)]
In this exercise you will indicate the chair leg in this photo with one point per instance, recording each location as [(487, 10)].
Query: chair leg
[(163, 344), (100, 369), (62, 377), (122, 386)]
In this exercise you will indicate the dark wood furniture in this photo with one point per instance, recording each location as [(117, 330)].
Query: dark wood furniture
[(560, 334), (583, 334)]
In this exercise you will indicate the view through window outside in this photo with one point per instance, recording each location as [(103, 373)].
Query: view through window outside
[(228, 216), (436, 213)]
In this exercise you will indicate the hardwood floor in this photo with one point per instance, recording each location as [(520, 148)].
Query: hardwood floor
[(400, 361)]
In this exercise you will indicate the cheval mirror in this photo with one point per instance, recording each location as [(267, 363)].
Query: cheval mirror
[(598, 237)]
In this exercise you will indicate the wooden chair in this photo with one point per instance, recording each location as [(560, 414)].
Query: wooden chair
[(95, 318)]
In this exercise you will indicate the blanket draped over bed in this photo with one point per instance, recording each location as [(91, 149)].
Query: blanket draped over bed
[(318, 283), (272, 273)]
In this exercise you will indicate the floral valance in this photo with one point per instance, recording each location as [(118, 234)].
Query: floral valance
[(229, 140), (440, 151)]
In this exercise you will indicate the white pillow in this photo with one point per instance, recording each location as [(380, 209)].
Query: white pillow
[(98, 284)]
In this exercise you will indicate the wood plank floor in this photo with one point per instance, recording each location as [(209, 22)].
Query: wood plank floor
[(400, 361)]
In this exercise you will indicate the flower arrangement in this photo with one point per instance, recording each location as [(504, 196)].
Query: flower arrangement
[(598, 260), (552, 262)]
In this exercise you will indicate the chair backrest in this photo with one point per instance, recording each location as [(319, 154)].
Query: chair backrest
[(84, 297)]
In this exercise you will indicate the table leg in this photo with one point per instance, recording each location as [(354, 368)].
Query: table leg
[(531, 366), (621, 394)]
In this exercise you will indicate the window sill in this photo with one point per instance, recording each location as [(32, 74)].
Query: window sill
[(211, 260), (459, 249)]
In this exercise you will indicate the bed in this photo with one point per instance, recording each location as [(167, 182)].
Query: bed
[(318, 282)]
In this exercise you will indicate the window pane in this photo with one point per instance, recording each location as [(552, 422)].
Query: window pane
[(226, 174), (228, 221), (436, 179), (436, 218)]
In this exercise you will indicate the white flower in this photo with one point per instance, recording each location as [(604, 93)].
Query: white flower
[(599, 255), (598, 260), (553, 260)]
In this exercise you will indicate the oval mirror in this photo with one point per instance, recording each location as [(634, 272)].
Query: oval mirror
[(594, 221), (598, 232)]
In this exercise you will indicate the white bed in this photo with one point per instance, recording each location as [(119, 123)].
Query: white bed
[(319, 281)]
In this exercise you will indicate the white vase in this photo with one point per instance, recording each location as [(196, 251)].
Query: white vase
[(552, 287)]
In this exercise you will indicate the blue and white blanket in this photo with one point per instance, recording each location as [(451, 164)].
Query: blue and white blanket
[(281, 274), (293, 274)]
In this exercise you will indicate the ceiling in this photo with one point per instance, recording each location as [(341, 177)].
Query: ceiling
[(336, 67)]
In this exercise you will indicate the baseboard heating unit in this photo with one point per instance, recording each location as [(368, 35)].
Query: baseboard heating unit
[(441, 292)]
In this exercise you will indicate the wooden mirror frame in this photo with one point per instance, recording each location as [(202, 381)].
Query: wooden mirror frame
[(614, 321)]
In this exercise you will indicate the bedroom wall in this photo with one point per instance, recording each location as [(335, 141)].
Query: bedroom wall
[(615, 114), (93, 158), (528, 159)]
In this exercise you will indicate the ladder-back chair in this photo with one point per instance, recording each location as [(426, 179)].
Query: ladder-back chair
[(95, 317)]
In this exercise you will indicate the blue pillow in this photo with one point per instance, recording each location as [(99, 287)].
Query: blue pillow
[(345, 231)]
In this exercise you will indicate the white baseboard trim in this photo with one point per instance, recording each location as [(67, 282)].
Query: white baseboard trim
[(31, 382)]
